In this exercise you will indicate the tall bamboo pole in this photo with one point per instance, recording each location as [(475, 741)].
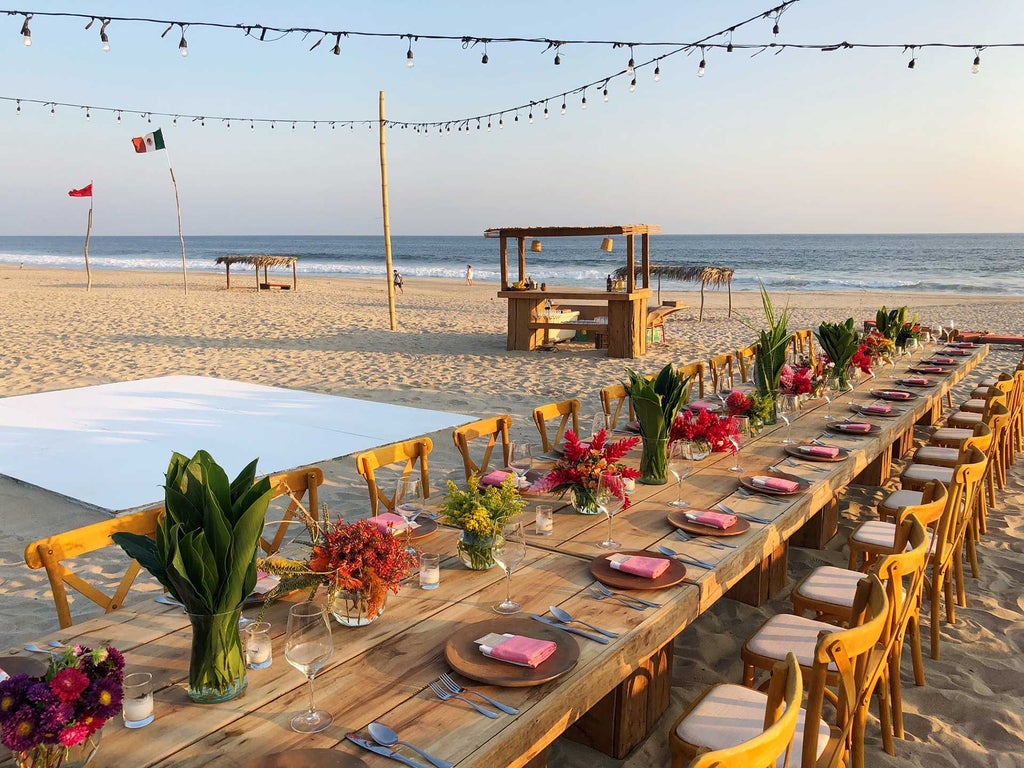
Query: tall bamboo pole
[(387, 215), (181, 237), (88, 234)]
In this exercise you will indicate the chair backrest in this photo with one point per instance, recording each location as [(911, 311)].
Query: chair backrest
[(902, 574), (298, 484), (746, 356), (495, 430), (782, 713), (849, 649), (929, 511), (696, 373), (52, 553), (803, 344), (568, 413), (960, 500), (720, 368), (412, 452), (613, 397)]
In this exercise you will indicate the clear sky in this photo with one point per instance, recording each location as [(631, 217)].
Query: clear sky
[(851, 141)]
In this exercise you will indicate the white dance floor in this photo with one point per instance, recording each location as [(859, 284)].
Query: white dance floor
[(108, 446)]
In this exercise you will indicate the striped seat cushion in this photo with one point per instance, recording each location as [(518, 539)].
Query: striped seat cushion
[(785, 633), (933, 454), (896, 500), (876, 534), (922, 473), (828, 584)]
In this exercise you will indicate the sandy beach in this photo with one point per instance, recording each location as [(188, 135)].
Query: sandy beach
[(331, 336)]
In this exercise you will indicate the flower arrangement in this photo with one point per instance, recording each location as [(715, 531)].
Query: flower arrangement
[(840, 343), (582, 465), (702, 426), (796, 381), (758, 408), (862, 360), (877, 346), (43, 718), (482, 515), (357, 557), (773, 345), (656, 403)]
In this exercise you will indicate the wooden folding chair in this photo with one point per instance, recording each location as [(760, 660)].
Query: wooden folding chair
[(411, 452), (296, 485), (494, 429), (613, 397), (568, 413), (746, 356), (721, 370), (696, 373)]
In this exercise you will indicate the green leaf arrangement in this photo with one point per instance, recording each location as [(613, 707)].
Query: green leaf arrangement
[(889, 322), (773, 344), (840, 342), (657, 401)]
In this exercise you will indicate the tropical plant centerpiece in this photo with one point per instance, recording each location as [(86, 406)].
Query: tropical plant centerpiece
[(773, 343), (758, 408), (481, 515), (54, 721), (708, 430), (204, 554), (580, 469), (656, 403), (840, 343)]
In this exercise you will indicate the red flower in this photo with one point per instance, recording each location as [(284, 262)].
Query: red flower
[(582, 465), (69, 683), (702, 425), (738, 403)]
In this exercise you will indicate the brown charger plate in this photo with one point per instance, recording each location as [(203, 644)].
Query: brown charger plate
[(678, 519), (602, 570), (936, 362), (958, 352), (463, 654), (794, 450), (747, 481), (881, 394), (426, 527), (930, 370), (308, 758), (836, 428), (859, 409), (906, 383)]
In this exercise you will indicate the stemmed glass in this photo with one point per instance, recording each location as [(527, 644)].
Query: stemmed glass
[(789, 405), (610, 499), (509, 551), (912, 347), (409, 501), (600, 422), (831, 391), (520, 458), (308, 648), (737, 440), (680, 464)]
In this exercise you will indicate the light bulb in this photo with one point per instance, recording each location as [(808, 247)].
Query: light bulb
[(18, 110), (728, 48), (632, 85), (337, 45), (563, 107), (28, 40), (657, 73), (118, 118), (410, 59), (546, 115), (606, 94), (87, 115), (252, 126), (228, 125), (558, 59), (775, 29), (912, 63), (976, 66), (583, 103), (53, 111), (106, 46), (183, 45), (484, 59), (488, 125), (631, 66), (26, 32), (501, 123), (701, 68)]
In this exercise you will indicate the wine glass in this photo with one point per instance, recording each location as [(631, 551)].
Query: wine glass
[(912, 347), (409, 502), (680, 464), (789, 405), (611, 497), (600, 422), (520, 458), (831, 392), (509, 551), (738, 439), (308, 647)]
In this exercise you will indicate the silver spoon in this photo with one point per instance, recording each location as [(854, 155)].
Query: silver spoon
[(566, 618), (56, 644), (388, 738), (36, 649), (686, 558)]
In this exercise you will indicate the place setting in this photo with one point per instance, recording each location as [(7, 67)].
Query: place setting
[(853, 428), (817, 452), (915, 381), (776, 484), (883, 410), (707, 522), (895, 395), (637, 569)]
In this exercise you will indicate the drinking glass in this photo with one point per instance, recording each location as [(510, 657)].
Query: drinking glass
[(520, 458), (409, 500), (789, 405), (737, 440), (508, 552), (137, 704), (600, 422), (831, 392), (610, 499), (308, 648), (912, 348), (680, 464)]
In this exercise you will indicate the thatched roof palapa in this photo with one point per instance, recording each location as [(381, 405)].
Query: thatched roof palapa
[(716, 277), (257, 260)]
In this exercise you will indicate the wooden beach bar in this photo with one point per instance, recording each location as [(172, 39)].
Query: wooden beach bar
[(624, 324)]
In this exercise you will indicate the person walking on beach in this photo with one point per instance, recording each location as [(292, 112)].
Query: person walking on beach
[(399, 282), (469, 274)]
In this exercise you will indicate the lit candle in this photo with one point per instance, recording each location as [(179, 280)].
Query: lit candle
[(545, 520), (258, 648), (138, 711), (430, 570)]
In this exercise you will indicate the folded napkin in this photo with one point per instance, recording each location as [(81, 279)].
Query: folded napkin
[(828, 451), (958, 352), (929, 369), (495, 477), (964, 344), (646, 567), (517, 649), (876, 408), (265, 582), (852, 427), (942, 360), (895, 394), (775, 483), (704, 405), (391, 521), (917, 382), (714, 519)]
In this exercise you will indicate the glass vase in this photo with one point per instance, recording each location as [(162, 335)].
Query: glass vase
[(59, 756), (475, 551), (585, 502), (216, 671), (654, 461), (357, 607)]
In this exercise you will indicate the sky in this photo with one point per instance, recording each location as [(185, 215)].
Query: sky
[(800, 142)]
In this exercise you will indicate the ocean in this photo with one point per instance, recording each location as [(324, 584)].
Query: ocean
[(967, 263)]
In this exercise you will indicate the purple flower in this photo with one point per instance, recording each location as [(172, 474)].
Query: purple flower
[(21, 731), (13, 692), (40, 694), (104, 697)]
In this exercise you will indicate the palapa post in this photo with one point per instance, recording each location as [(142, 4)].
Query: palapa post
[(153, 142), (86, 191), (387, 217)]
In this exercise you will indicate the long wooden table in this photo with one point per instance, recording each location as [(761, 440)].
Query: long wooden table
[(382, 671)]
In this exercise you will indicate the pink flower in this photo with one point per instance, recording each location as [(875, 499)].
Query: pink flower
[(74, 735), (69, 683)]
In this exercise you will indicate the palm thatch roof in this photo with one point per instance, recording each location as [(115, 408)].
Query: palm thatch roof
[(258, 260), (716, 277)]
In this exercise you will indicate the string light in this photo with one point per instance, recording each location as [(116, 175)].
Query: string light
[(252, 126), (583, 101), (702, 67), (337, 45), (632, 85), (976, 65), (604, 92), (26, 33), (183, 44), (87, 115), (410, 59), (104, 38), (913, 58), (563, 105), (18, 110), (546, 115), (485, 58), (118, 118), (631, 66), (657, 72)]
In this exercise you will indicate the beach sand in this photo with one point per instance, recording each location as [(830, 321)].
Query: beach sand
[(332, 336)]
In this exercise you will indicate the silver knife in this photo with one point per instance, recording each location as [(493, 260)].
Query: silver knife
[(744, 515), (560, 625), (387, 752)]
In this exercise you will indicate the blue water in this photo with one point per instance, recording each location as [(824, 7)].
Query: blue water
[(988, 264)]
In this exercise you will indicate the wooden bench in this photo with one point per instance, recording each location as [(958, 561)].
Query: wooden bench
[(600, 330), (268, 286)]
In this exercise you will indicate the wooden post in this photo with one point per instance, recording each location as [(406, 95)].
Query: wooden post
[(387, 216), (504, 263), (630, 263), (181, 237), (645, 262), (522, 259), (88, 234)]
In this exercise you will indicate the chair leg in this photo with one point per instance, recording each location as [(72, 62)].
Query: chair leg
[(948, 589), (972, 553), (748, 675), (916, 652), (885, 713), (958, 578)]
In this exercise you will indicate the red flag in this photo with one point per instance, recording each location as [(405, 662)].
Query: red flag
[(83, 192)]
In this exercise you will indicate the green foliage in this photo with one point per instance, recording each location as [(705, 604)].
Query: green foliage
[(772, 346), (889, 322), (482, 512), (205, 547), (656, 402), (840, 342)]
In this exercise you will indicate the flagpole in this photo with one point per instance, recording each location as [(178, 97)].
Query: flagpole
[(387, 215), (177, 204), (88, 234)]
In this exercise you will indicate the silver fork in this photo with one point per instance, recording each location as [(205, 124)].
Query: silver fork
[(743, 493), (444, 695), (450, 683), (684, 536), (599, 596), (804, 465)]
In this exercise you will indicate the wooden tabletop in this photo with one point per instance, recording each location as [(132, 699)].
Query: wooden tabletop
[(382, 671)]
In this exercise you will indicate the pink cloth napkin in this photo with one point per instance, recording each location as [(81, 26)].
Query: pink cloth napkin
[(828, 451), (943, 360), (964, 344), (917, 382), (525, 651), (775, 483), (704, 405), (646, 567), (959, 352), (895, 394), (495, 477), (389, 520), (714, 519), (854, 427), (876, 408)]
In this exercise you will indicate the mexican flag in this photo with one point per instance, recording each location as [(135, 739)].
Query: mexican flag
[(151, 142)]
